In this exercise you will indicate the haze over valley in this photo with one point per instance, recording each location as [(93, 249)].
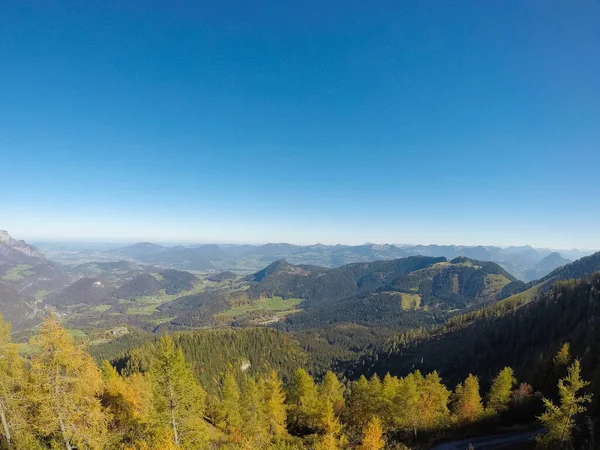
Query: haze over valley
[(299, 225)]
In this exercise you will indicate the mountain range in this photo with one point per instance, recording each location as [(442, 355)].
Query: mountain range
[(384, 285), (524, 262)]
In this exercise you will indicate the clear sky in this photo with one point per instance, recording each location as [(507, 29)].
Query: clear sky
[(472, 122)]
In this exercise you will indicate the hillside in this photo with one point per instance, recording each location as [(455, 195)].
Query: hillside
[(210, 352), (98, 291), (13, 252), (524, 262), (178, 257), (582, 268), (546, 265), (90, 291), (524, 338)]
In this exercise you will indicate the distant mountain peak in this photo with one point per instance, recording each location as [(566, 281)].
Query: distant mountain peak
[(17, 251)]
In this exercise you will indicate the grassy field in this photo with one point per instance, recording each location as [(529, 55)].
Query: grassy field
[(148, 304), (276, 305), (411, 301), (101, 308), (17, 272), (494, 284)]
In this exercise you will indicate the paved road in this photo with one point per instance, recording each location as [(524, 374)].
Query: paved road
[(487, 442)]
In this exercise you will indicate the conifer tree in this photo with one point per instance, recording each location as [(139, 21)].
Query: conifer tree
[(467, 401), (129, 403), (332, 390), (274, 406), (563, 356), (433, 400), (332, 439), (559, 420), (231, 413), (373, 435), (178, 398), (66, 389), (255, 430), (410, 406), (304, 412), (357, 413), (12, 373), (500, 392)]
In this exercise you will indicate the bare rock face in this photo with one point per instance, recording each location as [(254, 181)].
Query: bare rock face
[(13, 251)]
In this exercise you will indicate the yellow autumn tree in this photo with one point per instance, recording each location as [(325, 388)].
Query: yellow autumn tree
[(305, 414), (373, 435), (255, 428), (500, 392), (332, 390), (563, 356), (467, 407), (179, 400), (231, 421), (14, 429), (66, 388), (559, 420), (332, 439), (274, 405)]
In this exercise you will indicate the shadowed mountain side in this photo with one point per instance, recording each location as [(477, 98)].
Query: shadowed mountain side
[(524, 338)]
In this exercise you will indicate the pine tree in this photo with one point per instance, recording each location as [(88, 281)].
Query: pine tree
[(559, 420), (66, 389), (12, 373), (500, 392), (373, 435), (467, 406), (179, 399)]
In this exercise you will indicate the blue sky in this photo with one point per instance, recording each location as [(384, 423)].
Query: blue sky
[(410, 122)]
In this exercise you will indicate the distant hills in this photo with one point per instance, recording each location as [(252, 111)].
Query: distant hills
[(524, 262), (147, 283), (98, 291), (24, 273), (177, 257), (524, 336)]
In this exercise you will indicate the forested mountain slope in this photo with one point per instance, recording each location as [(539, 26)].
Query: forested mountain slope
[(210, 352), (524, 338)]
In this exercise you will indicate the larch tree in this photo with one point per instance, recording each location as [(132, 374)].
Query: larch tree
[(332, 439), (373, 435), (12, 374), (500, 392), (332, 390), (467, 407), (559, 420), (433, 400), (231, 408), (563, 356), (66, 388), (275, 409), (179, 399), (255, 429), (304, 412)]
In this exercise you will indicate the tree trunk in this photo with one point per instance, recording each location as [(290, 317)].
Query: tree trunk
[(5, 424), (63, 431), (173, 421)]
